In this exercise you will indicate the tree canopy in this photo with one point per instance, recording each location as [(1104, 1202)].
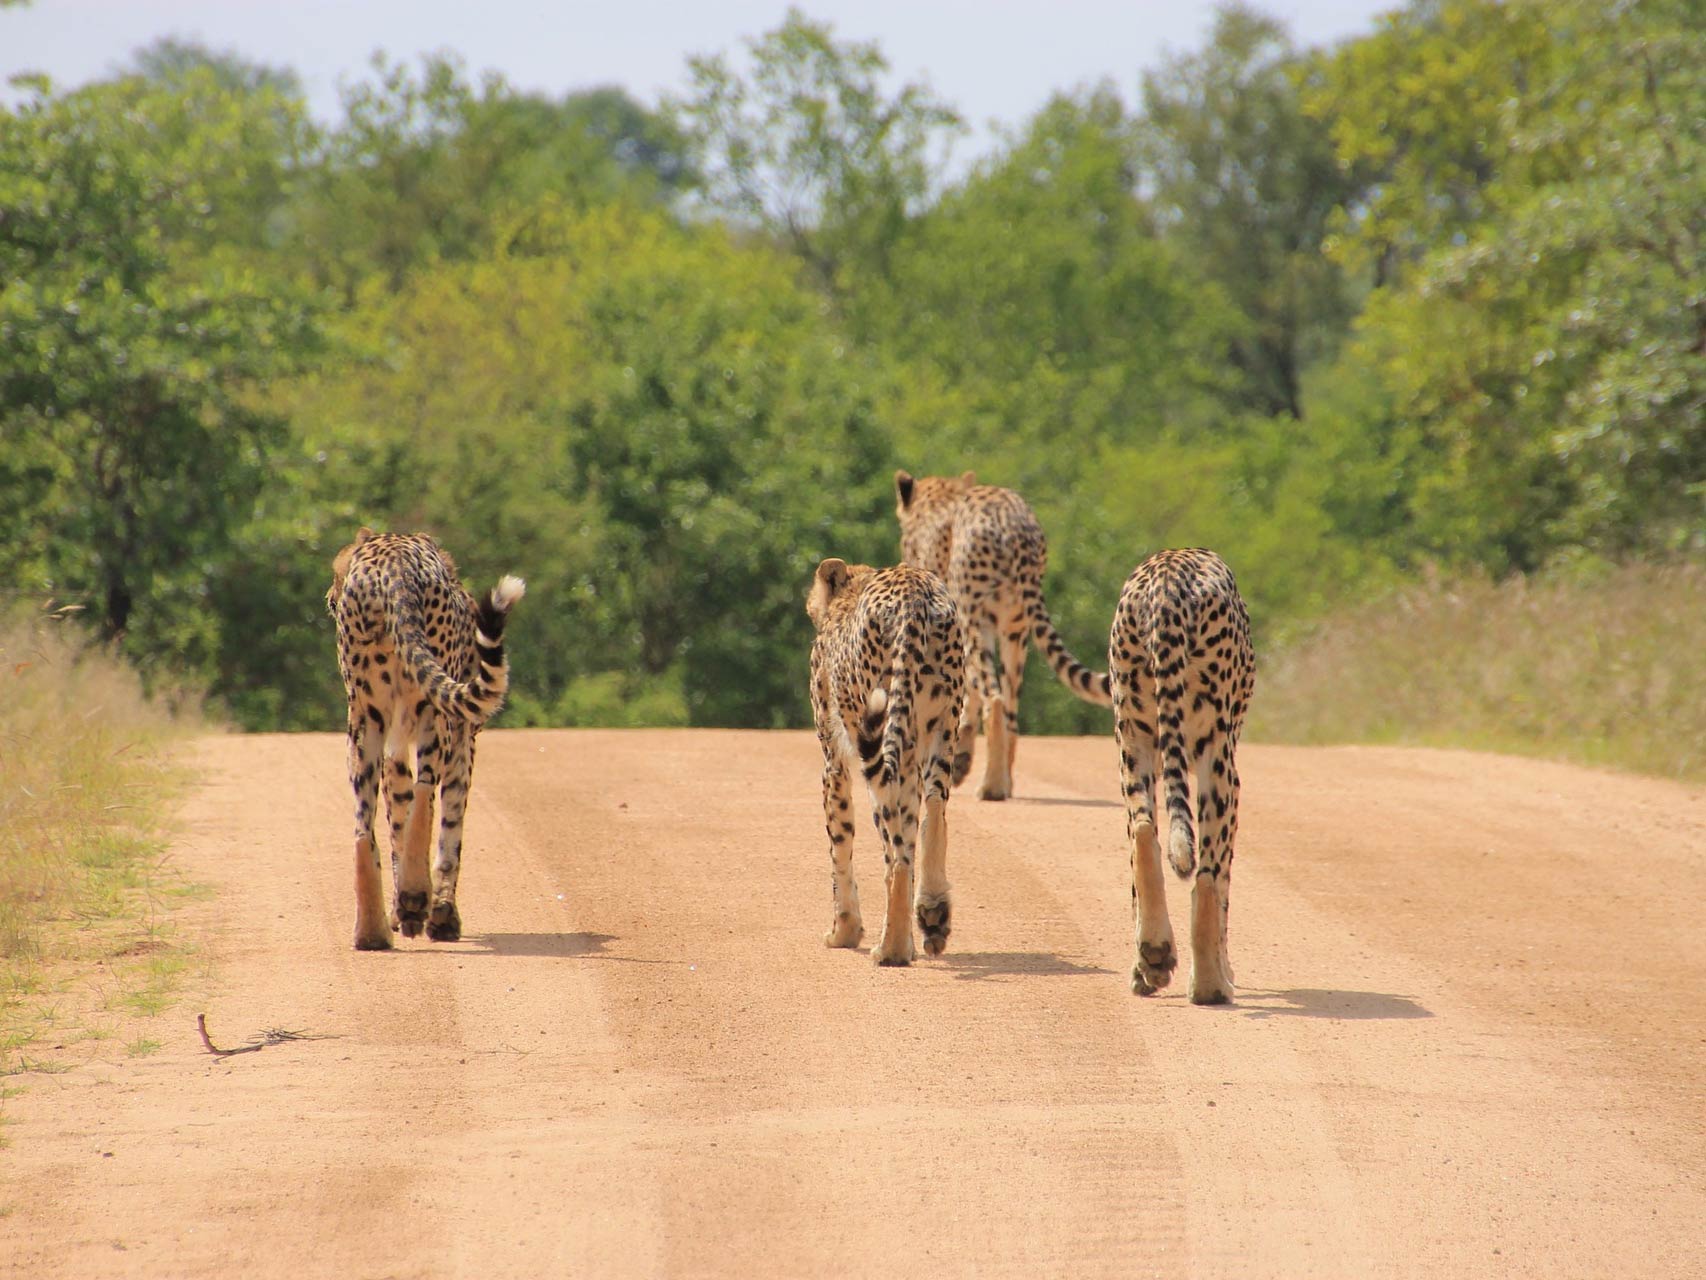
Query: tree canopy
[(1436, 295), (139, 329)]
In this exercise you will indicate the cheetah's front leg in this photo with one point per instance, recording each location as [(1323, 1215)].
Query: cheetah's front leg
[(1002, 715), (456, 757), (1155, 957), (409, 910), (399, 804), (412, 818), (965, 735), (1217, 795), (896, 817), (1211, 976), (372, 929), (997, 781), (846, 927)]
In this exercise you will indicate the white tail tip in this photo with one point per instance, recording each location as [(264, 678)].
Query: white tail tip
[(509, 589), (1181, 851)]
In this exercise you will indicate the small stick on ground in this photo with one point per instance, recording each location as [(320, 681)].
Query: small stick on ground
[(201, 1026)]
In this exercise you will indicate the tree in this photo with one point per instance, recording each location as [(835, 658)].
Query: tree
[(427, 167), (809, 147), (727, 441), (1039, 291), (645, 145), (171, 60), (1033, 326), (134, 336), (1422, 111), (657, 426), (1547, 341), (1246, 185)]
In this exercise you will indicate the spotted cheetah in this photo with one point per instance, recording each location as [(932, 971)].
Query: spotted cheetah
[(424, 667), (987, 546), (887, 681), (1182, 672)]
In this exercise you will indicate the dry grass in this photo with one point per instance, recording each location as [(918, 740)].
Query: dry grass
[(85, 896), (1601, 666)]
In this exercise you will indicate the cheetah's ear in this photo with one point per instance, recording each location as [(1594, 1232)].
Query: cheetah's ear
[(832, 573), (831, 577), (968, 479), (340, 570), (903, 489), (340, 563)]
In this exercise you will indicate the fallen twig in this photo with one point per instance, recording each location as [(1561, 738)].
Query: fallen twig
[(272, 1035), (201, 1026)]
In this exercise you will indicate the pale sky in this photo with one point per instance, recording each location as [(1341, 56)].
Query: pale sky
[(991, 59)]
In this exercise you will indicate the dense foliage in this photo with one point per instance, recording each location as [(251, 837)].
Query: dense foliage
[(1434, 296)]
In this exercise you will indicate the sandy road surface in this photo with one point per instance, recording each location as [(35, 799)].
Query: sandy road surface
[(1470, 1037)]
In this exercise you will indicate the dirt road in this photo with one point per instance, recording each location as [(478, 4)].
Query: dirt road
[(1469, 1038)]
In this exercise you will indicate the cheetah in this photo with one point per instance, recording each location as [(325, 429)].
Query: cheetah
[(1182, 672), (887, 680), (986, 544), (424, 667)]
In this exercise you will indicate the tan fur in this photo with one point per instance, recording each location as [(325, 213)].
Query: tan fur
[(986, 544), (886, 685), (1182, 672), (419, 683)]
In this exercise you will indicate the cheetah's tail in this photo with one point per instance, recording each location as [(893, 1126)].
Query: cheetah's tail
[(1091, 686), (495, 607), (1170, 744), (479, 699), (870, 739), (487, 690), (883, 726)]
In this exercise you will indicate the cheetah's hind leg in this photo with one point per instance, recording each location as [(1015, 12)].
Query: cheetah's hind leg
[(933, 907)]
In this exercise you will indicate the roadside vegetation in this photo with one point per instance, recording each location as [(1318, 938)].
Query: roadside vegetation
[(1595, 664), (1432, 301), (87, 944)]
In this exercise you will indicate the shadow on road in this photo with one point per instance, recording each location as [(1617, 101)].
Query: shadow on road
[(981, 966), (1308, 1002), (1081, 802), (540, 944)]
